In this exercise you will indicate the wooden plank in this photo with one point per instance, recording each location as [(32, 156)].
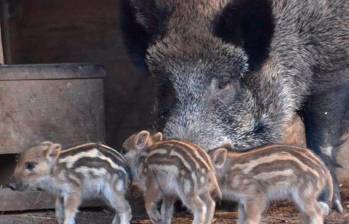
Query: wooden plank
[(19, 201), (63, 103)]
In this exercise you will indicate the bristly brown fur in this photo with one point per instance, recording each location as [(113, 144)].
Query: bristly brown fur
[(238, 71)]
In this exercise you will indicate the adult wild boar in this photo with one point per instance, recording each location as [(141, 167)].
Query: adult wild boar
[(237, 71)]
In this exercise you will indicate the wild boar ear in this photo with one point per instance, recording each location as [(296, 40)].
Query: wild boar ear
[(248, 24), (142, 139), (150, 14), (157, 137), (219, 156), (53, 151), (141, 22)]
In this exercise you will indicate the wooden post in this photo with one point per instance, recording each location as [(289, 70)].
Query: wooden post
[(2, 61), (5, 45)]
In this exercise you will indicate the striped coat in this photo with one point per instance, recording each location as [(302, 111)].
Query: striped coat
[(274, 172)]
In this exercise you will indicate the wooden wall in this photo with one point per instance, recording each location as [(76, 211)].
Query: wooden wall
[(54, 31)]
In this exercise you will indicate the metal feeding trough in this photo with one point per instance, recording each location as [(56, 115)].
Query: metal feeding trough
[(59, 102)]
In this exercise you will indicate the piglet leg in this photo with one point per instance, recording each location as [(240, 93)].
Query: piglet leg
[(167, 209), (197, 206), (59, 208), (71, 205), (123, 210), (311, 210), (253, 209), (211, 205), (151, 198)]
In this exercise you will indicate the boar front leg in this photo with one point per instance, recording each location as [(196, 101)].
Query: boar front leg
[(71, 205), (326, 120), (59, 208)]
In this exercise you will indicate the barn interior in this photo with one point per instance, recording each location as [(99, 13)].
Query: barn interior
[(65, 75)]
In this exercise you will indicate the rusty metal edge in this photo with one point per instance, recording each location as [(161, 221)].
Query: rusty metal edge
[(51, 71)]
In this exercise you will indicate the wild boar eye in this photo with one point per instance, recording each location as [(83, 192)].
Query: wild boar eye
[(30, 165), (223, 84)]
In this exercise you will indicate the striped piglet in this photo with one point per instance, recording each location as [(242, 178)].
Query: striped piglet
[(274, 172), (82, 172), (166, 170)]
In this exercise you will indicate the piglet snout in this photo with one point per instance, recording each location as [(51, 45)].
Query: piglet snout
[(14, 184)]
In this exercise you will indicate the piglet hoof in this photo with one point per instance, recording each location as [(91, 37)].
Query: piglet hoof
[(155, 217), (165, 221), (155, 220), (11, 186), (338, 205), (337, 201)]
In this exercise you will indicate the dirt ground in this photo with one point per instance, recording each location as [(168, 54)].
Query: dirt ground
[(278, 213)]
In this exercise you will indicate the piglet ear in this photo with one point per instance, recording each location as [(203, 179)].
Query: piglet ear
[(46, 143), (53, 150), (157, 137), (219, 157), (142, 139)]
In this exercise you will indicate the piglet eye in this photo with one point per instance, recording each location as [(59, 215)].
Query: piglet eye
[(30, 165)]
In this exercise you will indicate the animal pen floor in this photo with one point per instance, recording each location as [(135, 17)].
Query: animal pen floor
[(278, 213)]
